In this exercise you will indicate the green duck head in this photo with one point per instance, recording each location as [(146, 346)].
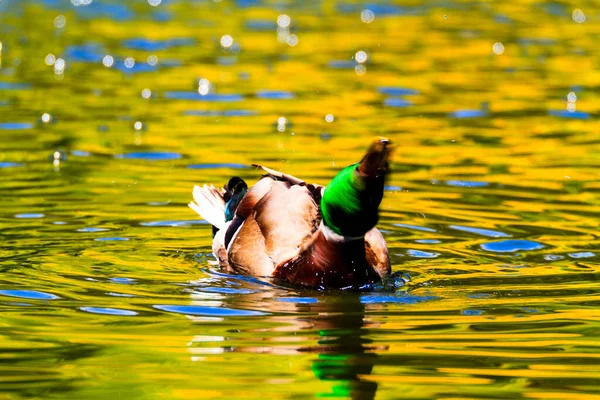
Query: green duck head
[(350, 203)]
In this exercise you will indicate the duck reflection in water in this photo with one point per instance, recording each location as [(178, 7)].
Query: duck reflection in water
[(345, 356)]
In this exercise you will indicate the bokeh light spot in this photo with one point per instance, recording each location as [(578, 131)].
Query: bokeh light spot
[(367, 16), (46, 118), (50, 59), (129, 62), (226, 41), (60, 21), (498, 48), (578, 16), (284, 21), (108, 61), (360, 57)]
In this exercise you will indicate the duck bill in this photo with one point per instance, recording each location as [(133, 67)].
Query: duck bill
[(375, 162)]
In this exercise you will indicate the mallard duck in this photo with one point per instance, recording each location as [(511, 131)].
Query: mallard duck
[(298, 233)]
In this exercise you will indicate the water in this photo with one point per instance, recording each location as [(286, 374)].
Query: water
[(492, 213)]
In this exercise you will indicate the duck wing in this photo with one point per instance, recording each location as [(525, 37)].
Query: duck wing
[(274, 220)]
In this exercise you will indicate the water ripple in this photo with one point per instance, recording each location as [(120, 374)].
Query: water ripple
[(28, 294), (150, 155), (207, 97), (109, 311), (208, 311), (14, 126), (174, 223), (480, 231), (216, 166), (509, 246), (274, 94)]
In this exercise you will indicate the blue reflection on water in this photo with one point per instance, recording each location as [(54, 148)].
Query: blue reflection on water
[(428, 241), (583, 254), (216, 166), (341, 64), (173, 223), (92, 229), (459, 183), (224, 290), (14, 86), (89, 52), (114, 11), (260, 25), (509, 246), (569, 114), (472, 312), (298, 300), (150, 155), (422, 254), (108, 311), (207, 97), (123, 280), (112, 239), (29, 294), (10, 164), (380, 9), (465, 114), (274, 94), (30, 215), (416, 227), (208, 311), (401, 298), (397, 102), (396, 91), (480, 231), (155, 45), (15, 125)]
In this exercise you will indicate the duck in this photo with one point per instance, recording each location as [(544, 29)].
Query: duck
[(302, 234)]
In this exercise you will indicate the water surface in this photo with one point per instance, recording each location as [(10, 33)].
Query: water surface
[(111, 111)]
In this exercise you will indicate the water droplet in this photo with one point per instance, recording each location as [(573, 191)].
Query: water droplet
[(154, 3), (292, 40), (498, 48), (283, 21), (60, 21), (360, 57), (329, 118), (152, 60), (146, 93), (108, 61), (226, 41), (578, 16), (46, 118), (203, 87), (572, 97), (129, 62), (367, 16), (59, 66), (138, 125), (50, 59)]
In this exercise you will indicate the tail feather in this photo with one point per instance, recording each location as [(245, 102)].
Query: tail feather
[(209, 204)]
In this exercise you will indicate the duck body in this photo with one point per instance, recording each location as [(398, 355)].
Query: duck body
[(302, 234)]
